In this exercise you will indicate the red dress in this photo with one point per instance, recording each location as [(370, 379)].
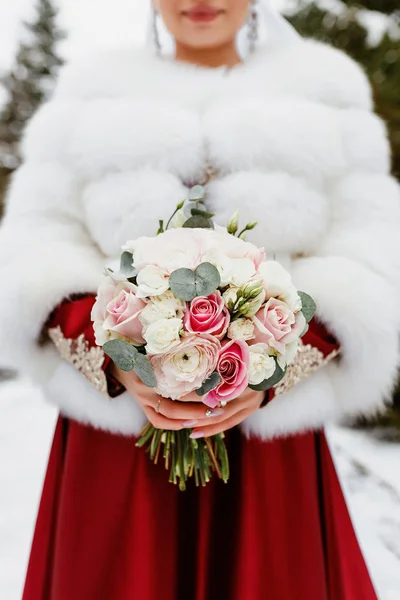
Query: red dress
[(111, 526)]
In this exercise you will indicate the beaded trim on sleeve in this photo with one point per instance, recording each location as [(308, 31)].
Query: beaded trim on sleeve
[(307, 361), (89, 361)]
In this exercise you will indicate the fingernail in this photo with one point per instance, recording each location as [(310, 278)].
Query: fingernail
[(190, 423), (196, 435), (217, 412)]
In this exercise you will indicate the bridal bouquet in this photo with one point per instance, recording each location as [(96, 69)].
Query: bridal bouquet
[(199, 309)]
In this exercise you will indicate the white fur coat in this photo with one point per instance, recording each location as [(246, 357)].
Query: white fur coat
[(297, 147)]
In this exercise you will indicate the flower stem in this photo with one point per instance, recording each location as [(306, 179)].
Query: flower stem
[(186, 458)]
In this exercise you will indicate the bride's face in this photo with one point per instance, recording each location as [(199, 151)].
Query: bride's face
[(206, 24)]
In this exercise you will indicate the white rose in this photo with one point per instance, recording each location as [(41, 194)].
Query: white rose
[(262, 365), (152, 281), (278, 284), (163, 335), (243, 270), (241, 329), (165, 306)]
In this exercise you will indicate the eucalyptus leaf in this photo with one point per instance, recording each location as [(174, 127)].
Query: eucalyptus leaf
[(208, 279), (209, 385), (197, 212), (127, 267), (187, 284), (183, 284), (198, 223), (144, 370), (197, 193), (309, 308), (121, 353), (267, 384)]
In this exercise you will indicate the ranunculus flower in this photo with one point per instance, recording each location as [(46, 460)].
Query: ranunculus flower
[(262, 365), (207, 315), (165, 306), (186, 367), (277, 325), (163, 335), (241, 329), (278, 283), (116, 312), (152, 281), (233, 364)]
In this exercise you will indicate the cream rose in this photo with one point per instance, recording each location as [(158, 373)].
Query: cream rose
[(262, 365), (116, 312), (163, 335), (278, 326), (241, 329)]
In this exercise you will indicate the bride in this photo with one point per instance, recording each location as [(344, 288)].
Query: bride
[(281, 128)]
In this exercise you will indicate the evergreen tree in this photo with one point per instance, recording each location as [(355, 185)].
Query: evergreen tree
[(381, 61), (31, 80)]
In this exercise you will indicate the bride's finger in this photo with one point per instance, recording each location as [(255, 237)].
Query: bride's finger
[(215, 428), (188, 411)]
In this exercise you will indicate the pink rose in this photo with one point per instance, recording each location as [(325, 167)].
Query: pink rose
[(233, 364), (185, 368), (207, 315), (116, 313), (277, 325)]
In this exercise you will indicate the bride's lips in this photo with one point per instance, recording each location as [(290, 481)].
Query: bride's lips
[(203, 13)]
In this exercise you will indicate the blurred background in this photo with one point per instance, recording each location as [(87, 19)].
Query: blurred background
[(36, 38)]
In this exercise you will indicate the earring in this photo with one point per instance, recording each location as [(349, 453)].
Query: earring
[(156, 37), (253, 26)]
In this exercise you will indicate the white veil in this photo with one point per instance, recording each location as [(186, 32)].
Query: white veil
[(273, 29)]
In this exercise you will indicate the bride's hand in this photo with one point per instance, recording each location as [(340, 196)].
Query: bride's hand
[(174, 415), (235, 413)]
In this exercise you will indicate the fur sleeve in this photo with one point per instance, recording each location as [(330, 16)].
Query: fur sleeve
[(354, 276), (45, 251)]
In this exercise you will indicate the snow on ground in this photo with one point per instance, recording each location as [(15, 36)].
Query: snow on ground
[(369, 470)]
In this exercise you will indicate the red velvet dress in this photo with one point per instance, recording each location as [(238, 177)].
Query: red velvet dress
[(111, 527)]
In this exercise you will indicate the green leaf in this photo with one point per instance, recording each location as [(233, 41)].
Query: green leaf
[(208, 279), (183, 284), (309, 308), (187, 284), (126, 266), (209, 385), (121, 353), (197, 193), (267, 384), (197, 212), (198, 223), (144, 370)]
